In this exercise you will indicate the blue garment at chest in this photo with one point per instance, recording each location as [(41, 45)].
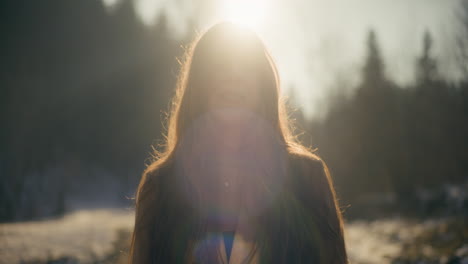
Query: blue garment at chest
[(228, 241)]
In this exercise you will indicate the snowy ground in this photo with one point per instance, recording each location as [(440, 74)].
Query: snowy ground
[(88, 236)]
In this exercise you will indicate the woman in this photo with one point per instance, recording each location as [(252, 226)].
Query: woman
[(233, 185)]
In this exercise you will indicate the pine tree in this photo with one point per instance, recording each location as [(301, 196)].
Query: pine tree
[(427, 71), (373, 71)]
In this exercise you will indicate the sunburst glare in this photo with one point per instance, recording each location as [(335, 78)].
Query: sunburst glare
[(250, 13)]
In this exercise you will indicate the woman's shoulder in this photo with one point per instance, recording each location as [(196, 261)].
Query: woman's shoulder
[(308, 173), (305, 161), (154, 176), (157, 170)]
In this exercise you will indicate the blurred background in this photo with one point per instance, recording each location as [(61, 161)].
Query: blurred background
[(380, 88)]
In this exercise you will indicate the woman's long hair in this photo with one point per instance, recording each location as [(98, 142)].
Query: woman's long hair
[(304, 224)]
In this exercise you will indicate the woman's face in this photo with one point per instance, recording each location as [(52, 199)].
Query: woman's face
[(234, 84)]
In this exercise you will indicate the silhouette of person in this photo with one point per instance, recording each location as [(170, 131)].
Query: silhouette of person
[(233, 185)]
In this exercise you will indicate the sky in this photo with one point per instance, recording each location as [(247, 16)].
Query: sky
[(320, 44)]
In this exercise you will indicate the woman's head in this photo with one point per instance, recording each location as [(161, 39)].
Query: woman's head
[(230, 67)]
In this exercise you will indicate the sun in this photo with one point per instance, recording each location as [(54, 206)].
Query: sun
[(250, 13)]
